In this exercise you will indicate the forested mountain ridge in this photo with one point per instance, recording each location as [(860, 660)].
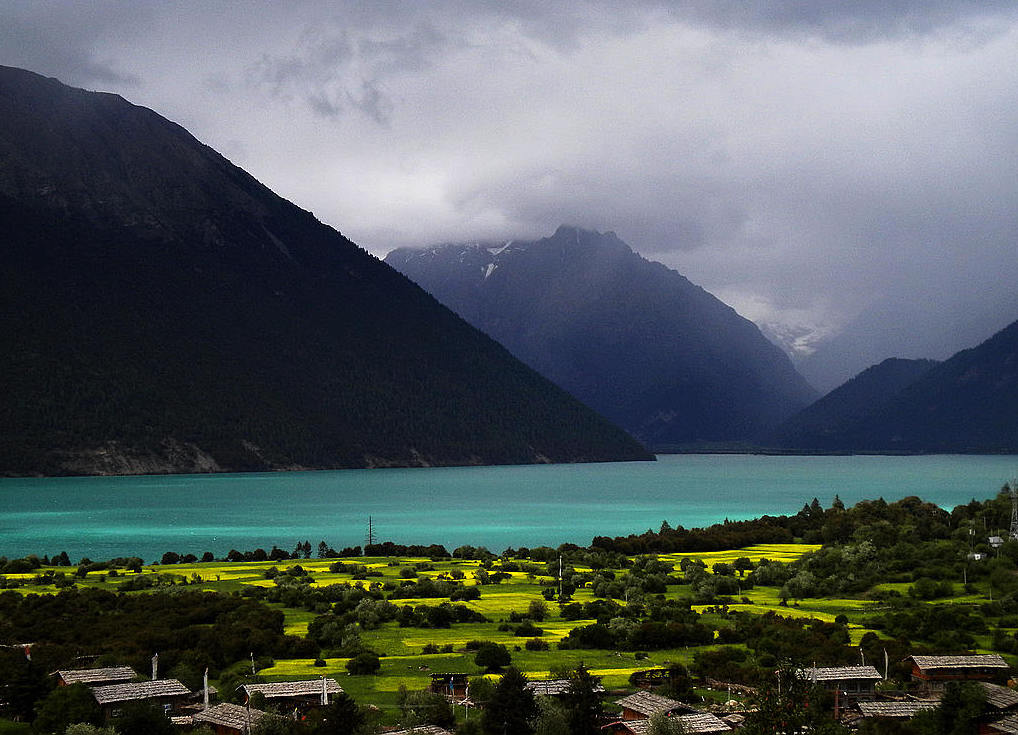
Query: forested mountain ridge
[(968, 403), (635, 340), (815, 426), (162, 311)]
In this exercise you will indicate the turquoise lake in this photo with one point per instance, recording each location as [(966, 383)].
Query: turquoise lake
[(497, 507)]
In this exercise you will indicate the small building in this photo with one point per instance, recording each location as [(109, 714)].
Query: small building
[(95, 677), (854, 682), (230, 719), (555, 687), (299, 695), (995, 541), (169, 693), (643, 705), (933, 672), (700, 722), (451, 685)]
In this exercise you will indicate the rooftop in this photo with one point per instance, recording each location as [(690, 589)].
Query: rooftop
[(901, 710), (977, 661), (97, 676), (998, 696), (839, 673), (648, 704), (230, 715), (554, 687), (303, 688), (703, 722), (114, 693)]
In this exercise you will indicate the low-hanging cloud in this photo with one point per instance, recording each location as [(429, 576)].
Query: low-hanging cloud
[(803, 160)]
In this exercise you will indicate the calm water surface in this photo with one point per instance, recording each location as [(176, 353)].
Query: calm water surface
[(105, 517)]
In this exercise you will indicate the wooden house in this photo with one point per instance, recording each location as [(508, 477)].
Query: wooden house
[(451, 685), (169, 693), (298, 695), (700, 722), (230, 719), (933, 672), (95, 677), (642, 705), (554, 687), (854, 682)]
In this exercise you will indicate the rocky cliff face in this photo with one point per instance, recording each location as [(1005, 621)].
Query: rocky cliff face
[(161, 310)]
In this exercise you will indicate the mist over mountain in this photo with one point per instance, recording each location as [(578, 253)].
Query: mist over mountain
[(934, 327), (633, 339), (163, 311), (968, 403)]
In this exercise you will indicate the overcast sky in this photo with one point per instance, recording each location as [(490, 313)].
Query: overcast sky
[(800, 159)]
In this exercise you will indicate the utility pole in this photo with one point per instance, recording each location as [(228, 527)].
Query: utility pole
[(560, 579)]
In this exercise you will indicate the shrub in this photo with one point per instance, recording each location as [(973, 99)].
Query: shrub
[(365, 663)]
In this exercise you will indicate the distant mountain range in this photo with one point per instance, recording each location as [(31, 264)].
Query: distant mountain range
[(163, 311), (968, 403), (631, 338)]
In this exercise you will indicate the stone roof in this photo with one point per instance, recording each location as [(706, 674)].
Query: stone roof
[(1008, 725), (998, 696), (230, 715), (303, 688), (839, 673), (901, 710), (422, 730), (977, 661), (702, 722), (648, 704), (114, 693), (112, 674), (553, 687)]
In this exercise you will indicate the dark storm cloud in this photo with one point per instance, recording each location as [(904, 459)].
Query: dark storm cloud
[(843, 21), (800, 159)]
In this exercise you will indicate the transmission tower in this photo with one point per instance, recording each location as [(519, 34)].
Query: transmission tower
[(371, 531), (1013, 490)]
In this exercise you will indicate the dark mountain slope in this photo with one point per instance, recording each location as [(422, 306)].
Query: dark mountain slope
[(635, 340), (968, 403), (162, 311), (817, 425)]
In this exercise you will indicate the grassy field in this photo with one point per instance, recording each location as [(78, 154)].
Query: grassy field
[(403, 660)]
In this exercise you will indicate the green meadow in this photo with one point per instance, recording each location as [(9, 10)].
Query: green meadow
[(404, 662)]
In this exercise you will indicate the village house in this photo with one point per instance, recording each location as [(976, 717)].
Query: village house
[(95, 677), (700, 722), (847, 684), (643, 705), (169, 693), (451, 685), (933, 672), (230, 719), (298, 695), (554, 687)]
